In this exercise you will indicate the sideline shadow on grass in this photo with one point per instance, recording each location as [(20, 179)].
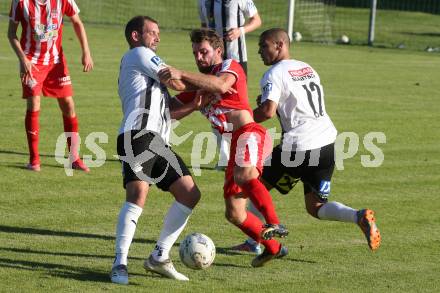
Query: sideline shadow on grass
[(46, 232), (42, 252), (59, 270)]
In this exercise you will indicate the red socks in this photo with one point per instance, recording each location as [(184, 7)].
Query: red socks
[(262, 200), (32, 126), (71, 125), (252, 226)]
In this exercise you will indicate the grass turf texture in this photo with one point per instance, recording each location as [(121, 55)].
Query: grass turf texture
[(57, 232)]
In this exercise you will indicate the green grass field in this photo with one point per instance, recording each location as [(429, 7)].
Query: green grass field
[(57, 232)]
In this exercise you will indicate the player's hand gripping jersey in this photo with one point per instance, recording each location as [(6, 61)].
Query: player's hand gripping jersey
[(296, 88), (224, 103)]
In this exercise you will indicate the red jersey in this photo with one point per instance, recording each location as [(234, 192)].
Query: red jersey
[(216, 110), (42, 27)]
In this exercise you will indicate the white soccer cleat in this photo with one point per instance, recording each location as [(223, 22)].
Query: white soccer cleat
[(119, 275), (165, 268)]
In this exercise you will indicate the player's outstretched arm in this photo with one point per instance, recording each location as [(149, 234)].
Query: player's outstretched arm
[(178, 110), (214, 84), (80, 32)]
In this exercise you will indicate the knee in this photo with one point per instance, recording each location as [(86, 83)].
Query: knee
[(195, 196), (235, 217), (312, 205)]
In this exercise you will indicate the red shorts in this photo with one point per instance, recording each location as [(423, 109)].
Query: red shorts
[(250, 146), (53, 80)]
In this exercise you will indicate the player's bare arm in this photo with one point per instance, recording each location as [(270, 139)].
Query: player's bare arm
[(234, 33), (215, 84), (171, 74), (26, 66), (179, 110), (80, 32), (265, 111)]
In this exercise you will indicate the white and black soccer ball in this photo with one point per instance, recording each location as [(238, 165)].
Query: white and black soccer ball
[(197, 251), (297, 37)]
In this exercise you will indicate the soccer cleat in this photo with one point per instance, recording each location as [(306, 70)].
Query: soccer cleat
[(79, 165), (33, 167), (119, 275), (367, 223), (266, 256), (248, 247), (272, 230), (165, 268)]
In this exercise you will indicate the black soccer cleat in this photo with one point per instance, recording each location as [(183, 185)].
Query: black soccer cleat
[(272, 230)]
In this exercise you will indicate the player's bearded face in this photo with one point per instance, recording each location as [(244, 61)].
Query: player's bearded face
[(150, 35), (206, 56)]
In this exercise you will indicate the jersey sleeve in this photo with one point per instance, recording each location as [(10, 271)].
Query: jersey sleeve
[(16, 12), (229, 66), (185, 97), (271, 86), (70, 8), (248, 8), (150, 64)]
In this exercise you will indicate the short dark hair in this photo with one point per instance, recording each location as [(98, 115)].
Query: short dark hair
[(203, 34), (276, 34), (136, 24)]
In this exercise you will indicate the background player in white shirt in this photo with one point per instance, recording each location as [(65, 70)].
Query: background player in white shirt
[(143, 148), (228, 19), (293, 90)]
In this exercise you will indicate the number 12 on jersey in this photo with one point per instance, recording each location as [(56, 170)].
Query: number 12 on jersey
[(312, 89)]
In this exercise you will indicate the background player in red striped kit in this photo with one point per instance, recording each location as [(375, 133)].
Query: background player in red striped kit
[(43, 68)]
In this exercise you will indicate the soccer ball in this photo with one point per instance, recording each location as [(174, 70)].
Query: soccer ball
[(344, 39), (197, 251), (297, 37)]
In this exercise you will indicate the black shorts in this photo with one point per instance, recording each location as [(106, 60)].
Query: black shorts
[(287, 168), (148, 158)]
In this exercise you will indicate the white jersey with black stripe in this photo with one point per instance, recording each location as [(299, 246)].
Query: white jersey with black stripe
[(223, 15), (145, 101), (296, 89)]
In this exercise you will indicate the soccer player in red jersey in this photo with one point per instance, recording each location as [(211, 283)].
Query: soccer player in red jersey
[(250, 144), (43, 68)]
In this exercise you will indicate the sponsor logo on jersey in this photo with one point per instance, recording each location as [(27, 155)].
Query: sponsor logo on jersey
[(156, 60), (301, 72), (267, 87), (324, 188)]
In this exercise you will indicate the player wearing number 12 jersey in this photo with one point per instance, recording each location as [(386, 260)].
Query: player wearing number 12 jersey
[(292, 89)]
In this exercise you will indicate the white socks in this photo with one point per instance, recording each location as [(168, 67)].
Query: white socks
[(174, 223), (335, 211), (128, 218)]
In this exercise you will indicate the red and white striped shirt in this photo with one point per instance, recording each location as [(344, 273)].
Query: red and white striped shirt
[(42, 27)]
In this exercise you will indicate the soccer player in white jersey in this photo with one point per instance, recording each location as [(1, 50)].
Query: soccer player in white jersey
[(231, 19), (43, 67), (292, 89), (143, 148)]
